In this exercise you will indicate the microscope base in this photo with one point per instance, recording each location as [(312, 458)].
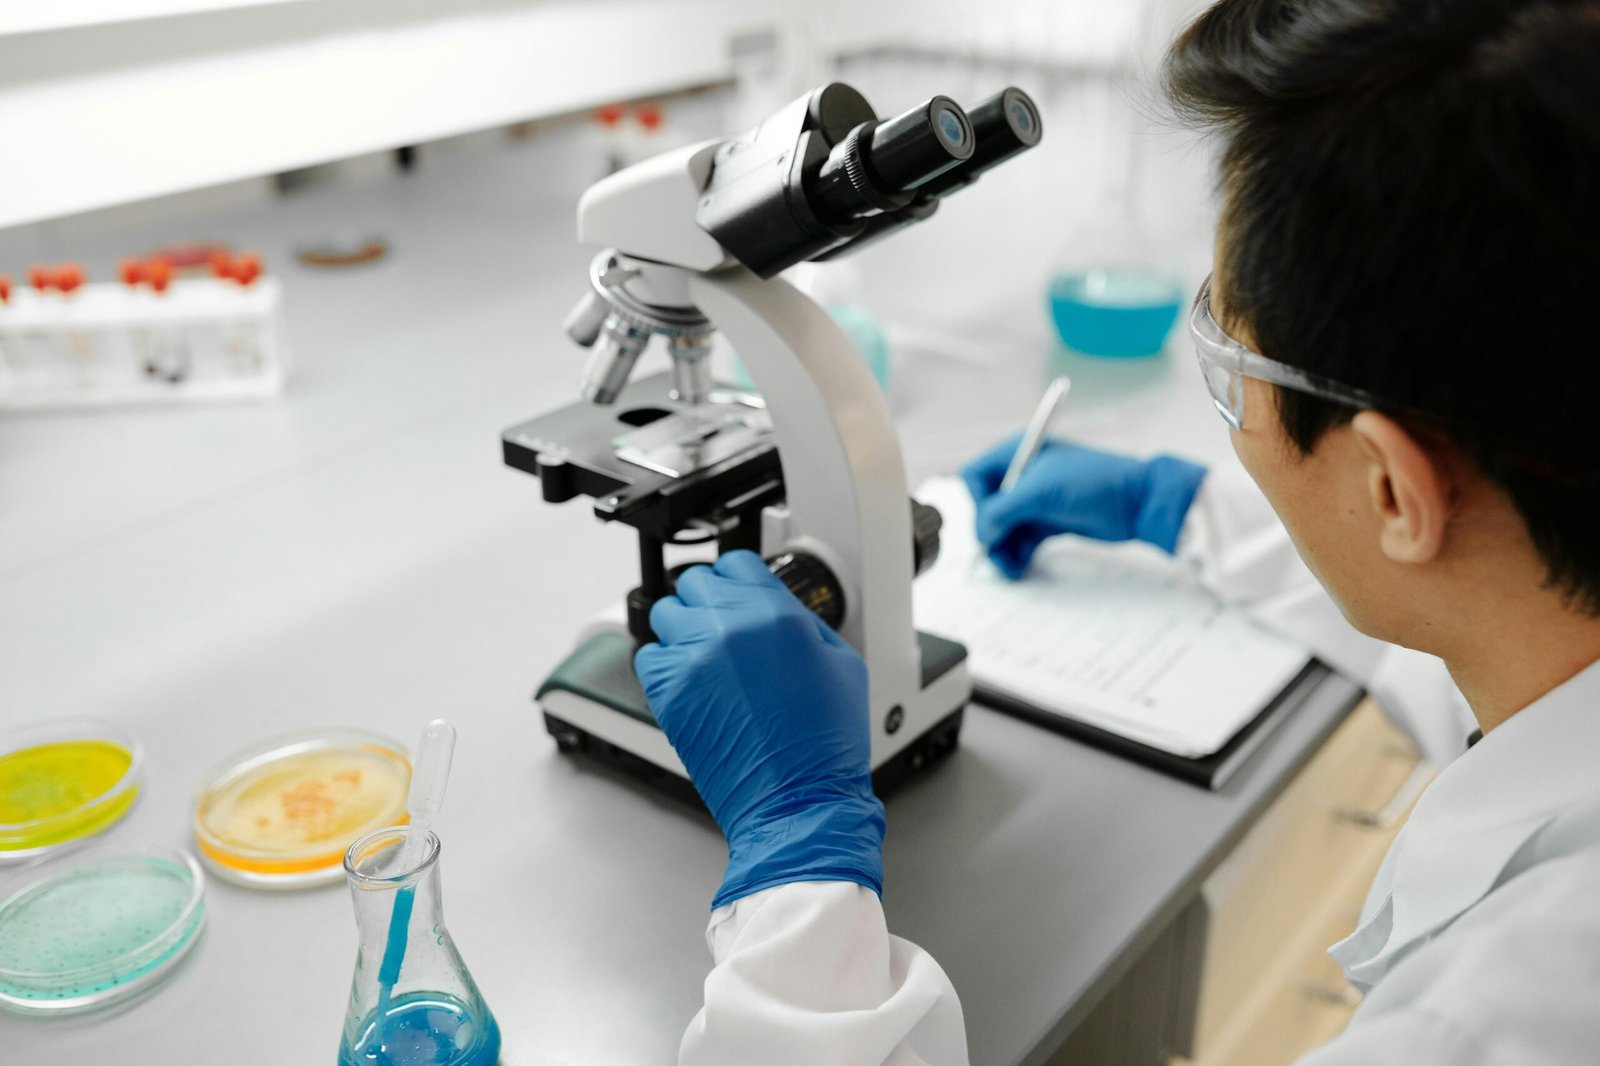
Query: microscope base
[(593, 706)]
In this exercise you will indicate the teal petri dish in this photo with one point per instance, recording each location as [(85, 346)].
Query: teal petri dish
[(98, 926)]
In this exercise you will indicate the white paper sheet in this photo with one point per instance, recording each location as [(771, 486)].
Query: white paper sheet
[(1117, 636)]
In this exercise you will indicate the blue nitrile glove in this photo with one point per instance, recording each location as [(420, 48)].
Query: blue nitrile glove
[(767, 708), (1071, 489)]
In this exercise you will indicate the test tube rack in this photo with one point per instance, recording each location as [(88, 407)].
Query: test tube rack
[(188, 339)]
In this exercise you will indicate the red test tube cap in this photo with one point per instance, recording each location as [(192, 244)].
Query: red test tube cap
[(70, 277), (5, 288), (650, 116), (246, 268), (158, 274), (41, 277)]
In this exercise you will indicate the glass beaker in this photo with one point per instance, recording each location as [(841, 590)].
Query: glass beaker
[(412, 1001)]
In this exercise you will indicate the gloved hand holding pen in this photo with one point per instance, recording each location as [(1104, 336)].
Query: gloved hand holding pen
[(1068, 488)]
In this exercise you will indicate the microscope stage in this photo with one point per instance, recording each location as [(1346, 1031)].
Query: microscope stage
[(688, 442), (649, 463)]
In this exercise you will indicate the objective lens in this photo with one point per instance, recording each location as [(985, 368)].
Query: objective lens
[(611, 361)]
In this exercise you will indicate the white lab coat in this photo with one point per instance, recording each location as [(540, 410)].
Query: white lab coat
[(1479, 943)]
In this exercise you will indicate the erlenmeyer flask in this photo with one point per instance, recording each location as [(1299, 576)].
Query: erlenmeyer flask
[(1116, 295), (412, 1001), (1116, 292)]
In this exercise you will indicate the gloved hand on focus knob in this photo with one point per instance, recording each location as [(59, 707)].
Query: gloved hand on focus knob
[(767, 708), (1072, 489)]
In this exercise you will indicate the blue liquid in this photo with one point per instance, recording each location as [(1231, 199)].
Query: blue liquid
[(425, 1029), (1122, 314)]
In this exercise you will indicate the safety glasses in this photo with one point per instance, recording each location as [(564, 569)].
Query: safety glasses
[(1225, 363)]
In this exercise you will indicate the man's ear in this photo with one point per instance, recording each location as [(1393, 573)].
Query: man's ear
[(1409, 488)]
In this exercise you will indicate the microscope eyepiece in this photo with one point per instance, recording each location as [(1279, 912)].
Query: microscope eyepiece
[(1020, 113), (950, 128), (880, 165), (1003, 125), (825, 176), (921, 144)]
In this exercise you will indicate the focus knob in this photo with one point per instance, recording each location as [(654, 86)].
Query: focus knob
[(812, 583)]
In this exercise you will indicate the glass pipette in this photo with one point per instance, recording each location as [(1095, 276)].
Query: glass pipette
[(429, 775)]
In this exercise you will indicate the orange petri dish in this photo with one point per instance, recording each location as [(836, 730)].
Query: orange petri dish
[(282, 813), (62, 781)]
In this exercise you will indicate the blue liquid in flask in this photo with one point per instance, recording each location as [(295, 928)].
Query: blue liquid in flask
[(425, 1029), (1122, 314)]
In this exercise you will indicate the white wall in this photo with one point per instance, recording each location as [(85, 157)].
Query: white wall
[(106, 102), (115, 110), (25, 17)]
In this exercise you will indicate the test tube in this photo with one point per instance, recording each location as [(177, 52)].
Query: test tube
[(243, 340), (69, 278), (170, 362)]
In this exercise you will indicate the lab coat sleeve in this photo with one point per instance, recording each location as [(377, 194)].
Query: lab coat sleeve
[(1239, 549), (808, 974)]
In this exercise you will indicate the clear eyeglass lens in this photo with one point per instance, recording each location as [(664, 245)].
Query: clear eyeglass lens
[(1227, 391), (1229, 415)]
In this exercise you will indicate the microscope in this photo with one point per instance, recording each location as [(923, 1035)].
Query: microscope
[(807, 469)]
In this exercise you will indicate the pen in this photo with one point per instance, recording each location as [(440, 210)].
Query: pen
[(1038, 429)]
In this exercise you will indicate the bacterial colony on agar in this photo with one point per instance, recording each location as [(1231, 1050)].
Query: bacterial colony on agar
[(281, 815)]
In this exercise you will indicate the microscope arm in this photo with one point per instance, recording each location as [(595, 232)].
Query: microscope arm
[(843, 471)]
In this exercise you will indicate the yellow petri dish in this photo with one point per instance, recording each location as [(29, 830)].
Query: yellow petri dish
[(282, 813), (62, 781)]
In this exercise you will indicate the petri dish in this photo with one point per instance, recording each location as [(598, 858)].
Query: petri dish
[(62, 781), (90, 928), (281, 814)]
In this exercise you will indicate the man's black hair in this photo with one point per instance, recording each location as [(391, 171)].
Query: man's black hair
[(1412, 206)]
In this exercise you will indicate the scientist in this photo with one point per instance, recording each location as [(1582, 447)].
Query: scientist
[(1400, 333)]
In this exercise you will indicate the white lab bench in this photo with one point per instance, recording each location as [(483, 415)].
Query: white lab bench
[(355, 553)]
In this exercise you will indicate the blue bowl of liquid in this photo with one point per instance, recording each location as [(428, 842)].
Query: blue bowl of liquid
[(1115, 313)]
